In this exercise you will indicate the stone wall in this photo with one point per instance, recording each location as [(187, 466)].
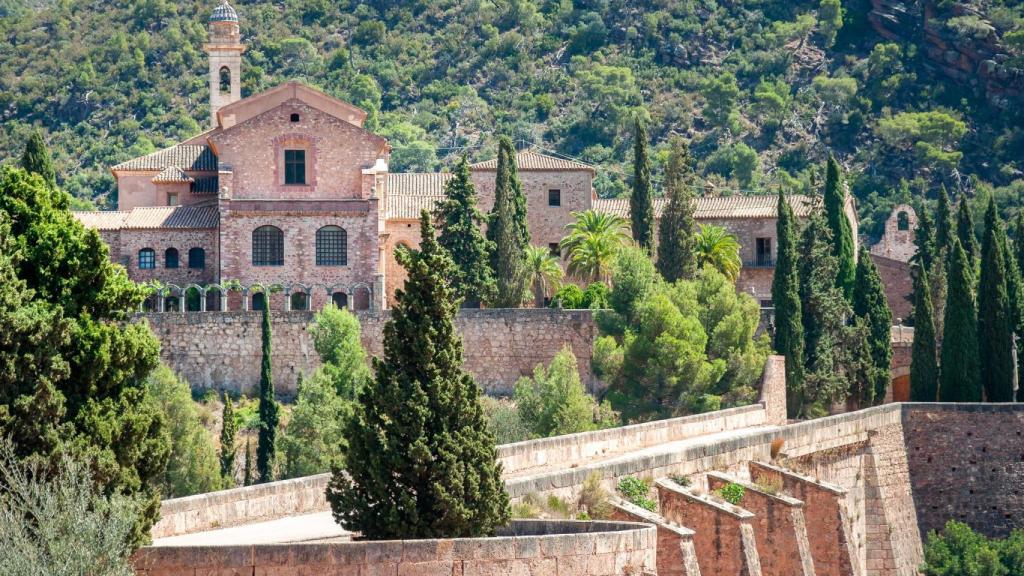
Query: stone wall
[(526, 548), (222, 350), (898, 286)]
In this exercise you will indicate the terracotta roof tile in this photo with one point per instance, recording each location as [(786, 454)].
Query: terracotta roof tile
[(205, 185), (185, 156), (530, 160), (172, 175), (410, 193), (717, 207), (181, 217)]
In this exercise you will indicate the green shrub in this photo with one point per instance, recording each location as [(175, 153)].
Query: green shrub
[(960, 550), (313, 437), (554, 401), (507, 425), (731, 493), (636, 491)]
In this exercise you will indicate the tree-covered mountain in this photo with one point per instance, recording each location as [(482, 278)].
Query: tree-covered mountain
[(908, 95)]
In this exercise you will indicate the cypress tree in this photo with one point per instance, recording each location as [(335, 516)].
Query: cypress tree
[(944, 225), (871, 305), (641, 201), (789, 330), (924, 239), (676, 258), (965, 233), (839, 224), (250, 470), (460, 221), (421, 460), (995, 330), (1015, 270), (36, 159), (266, 449), (960, 377), (924, 369), (228, 430), (507, 230)]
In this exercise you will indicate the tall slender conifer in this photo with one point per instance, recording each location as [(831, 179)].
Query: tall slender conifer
[(960, 372), (641, 201)]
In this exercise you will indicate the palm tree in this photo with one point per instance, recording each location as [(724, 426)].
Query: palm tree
[(591, 243), (719, 249), (543, 271)]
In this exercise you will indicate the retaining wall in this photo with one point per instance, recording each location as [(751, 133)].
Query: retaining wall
[(223, 350), (527, 548)]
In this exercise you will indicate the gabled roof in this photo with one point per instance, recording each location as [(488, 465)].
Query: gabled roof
[(205, 185), (172, 175), (246, 108), (160, 217), (717, 207), (183, 156), (410, 193), (530, 160)]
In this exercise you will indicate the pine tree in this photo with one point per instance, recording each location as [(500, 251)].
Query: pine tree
[(266, 449), (839, 224), (872, 307), (250, 468), (676, 232), (228, 430), (995, 329), (507, 230), (460, 220), (960, 374), (965, 233), (944, 225), (789, 330), (421, 460), (36, 159), (641, 202), (924, 369)]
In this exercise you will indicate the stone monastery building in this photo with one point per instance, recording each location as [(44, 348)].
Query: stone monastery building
[(287, 188)]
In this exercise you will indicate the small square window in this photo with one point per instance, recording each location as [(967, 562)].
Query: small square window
[(555, 249), (554, 197), (172, 198), (295, 118), (295, 167)]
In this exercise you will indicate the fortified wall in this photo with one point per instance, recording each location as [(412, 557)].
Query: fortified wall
[(223, 350)]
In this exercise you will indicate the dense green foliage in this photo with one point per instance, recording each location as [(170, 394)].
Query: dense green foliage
[(36, 159), (72, 376), (839, 224), (637, 491), (788, 328), (641, 201), (228, 447), (961, 551), (337, 341), (543, 273), (679, 348), (591, 243), (54, 523), (193, 467), (459, 221), (771, 83), (420, 459), (507, 230), (571, 297), (676, 229), (966, 234), (715, 248), (960, 379), (924, 368), (995, 320), (554, 402), (871, 306), (266, 448)]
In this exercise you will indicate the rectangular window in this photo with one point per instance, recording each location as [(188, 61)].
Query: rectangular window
[(554, 197), (555, 249), (764, 252), (295, 167), (172, 198), (147, 259)]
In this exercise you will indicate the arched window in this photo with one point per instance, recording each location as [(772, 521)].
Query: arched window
[(903, 221), (193, 300), (300, 301), (340, 299), (196, 258), (147, 259), (171, 258), (171, 304), (225, 80), (331, 246), (259, 300), (267, 246)]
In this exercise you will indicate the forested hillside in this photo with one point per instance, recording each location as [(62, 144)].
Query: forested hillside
[(925, 94)]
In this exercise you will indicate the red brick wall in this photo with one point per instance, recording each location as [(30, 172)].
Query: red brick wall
[(129, 242), (899, 286)]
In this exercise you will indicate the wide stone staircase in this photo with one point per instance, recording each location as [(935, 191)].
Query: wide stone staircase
[(785, 524)]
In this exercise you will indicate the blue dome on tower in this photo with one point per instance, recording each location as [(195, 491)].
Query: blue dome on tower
[(224, 13)]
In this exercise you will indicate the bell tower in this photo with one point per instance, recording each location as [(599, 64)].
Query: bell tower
[(225, 55)]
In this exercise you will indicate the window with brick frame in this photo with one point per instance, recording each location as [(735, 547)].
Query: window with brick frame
[(331, 246), (171, 258), (267, 246), (147, 259), (554, 197), (196, 258), (172, 198), (295, 167)]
